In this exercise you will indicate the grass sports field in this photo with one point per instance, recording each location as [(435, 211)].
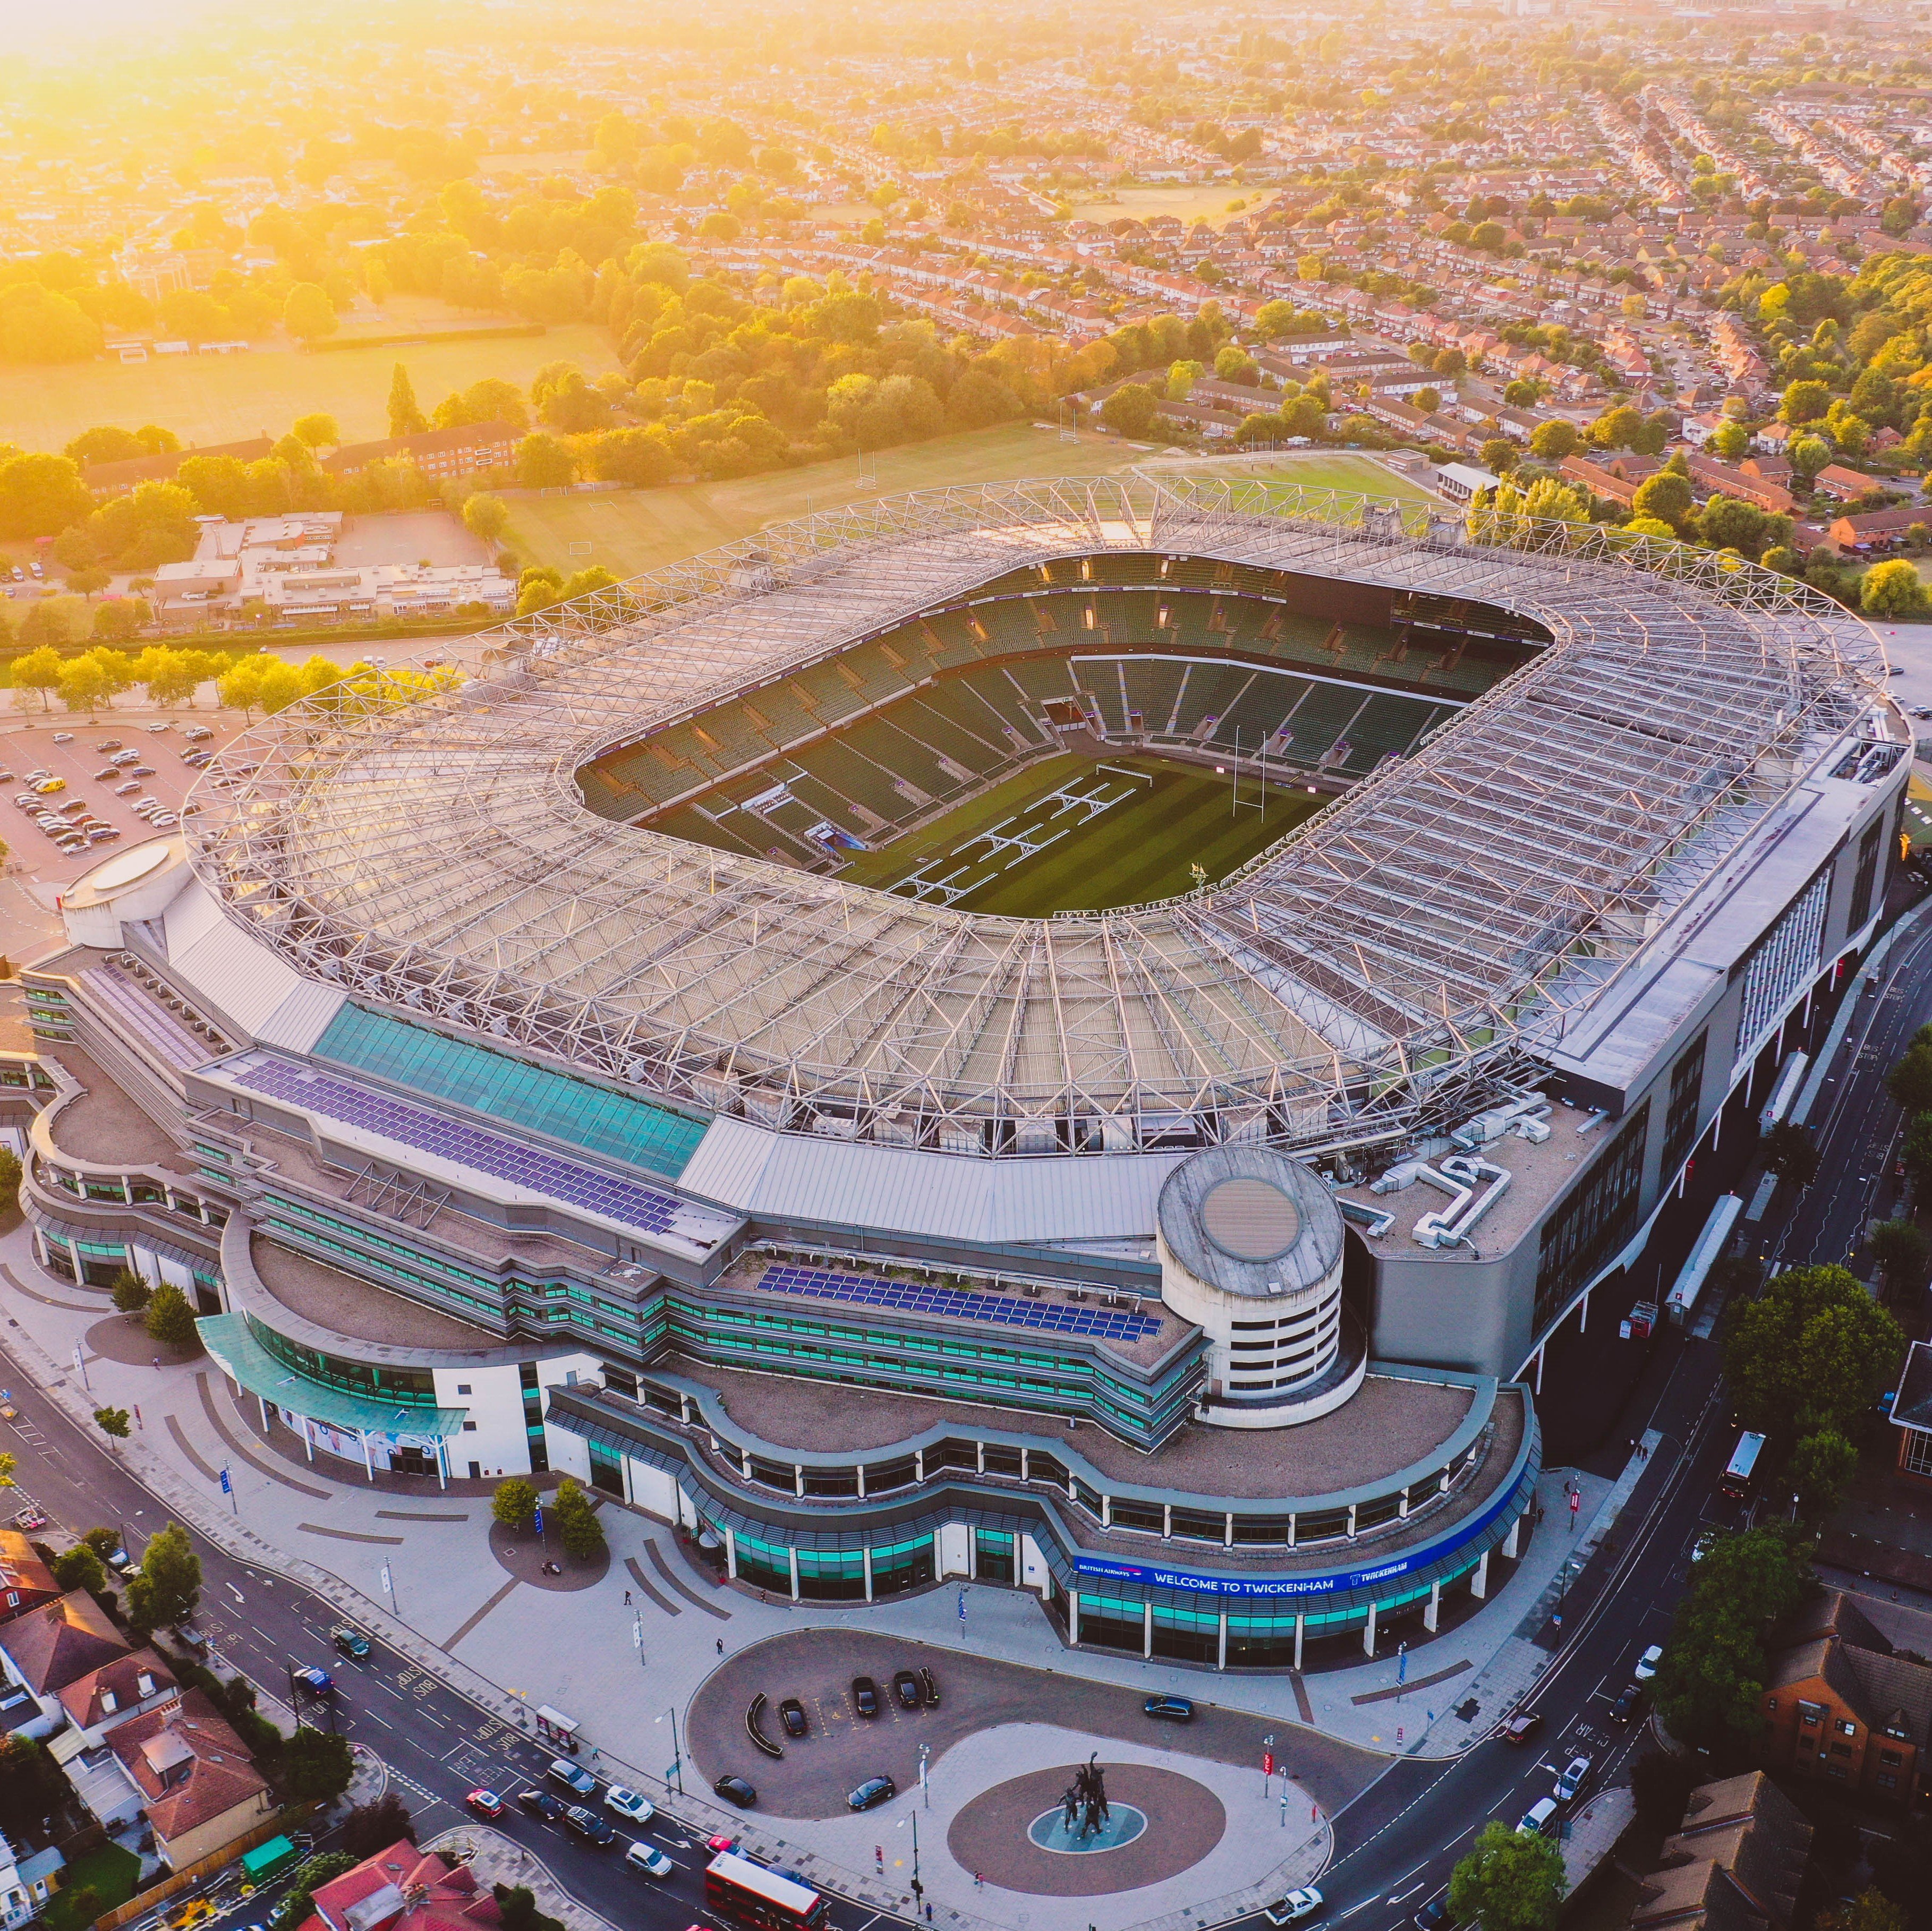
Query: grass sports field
[(1074, 836), (632, 531), (224, 398)]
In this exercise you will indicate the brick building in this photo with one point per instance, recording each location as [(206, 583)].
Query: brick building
[(460, 451), (1840, 1704)]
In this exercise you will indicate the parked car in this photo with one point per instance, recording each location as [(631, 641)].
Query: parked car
[(103, 745), (791, 1714), (873, 1790), (1520, 1728), (1646, 1666), (1628, 1701), (736, 1790), (905, 1687), (140, 771), (930, 1688), (128, 790), (647, 1858), (571, 1775), (590, 1827), (351, 1643), (1538, 1818), (63, 737), (485, 1803), (155, 731), (106, 772), (630, 1804), (865, 1696), (1571, 1778), (540, 1804), (1169, 1709), (47, 786), (1294, 1908), (198, 733)]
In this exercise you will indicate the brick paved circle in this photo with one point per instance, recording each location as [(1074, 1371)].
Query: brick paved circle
[(122, 1338), (1185, 1821), (518, 1551)]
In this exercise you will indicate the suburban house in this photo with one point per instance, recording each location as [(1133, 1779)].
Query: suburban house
[(201, 1792), (1710, 478), (116, 479), (1877, 530), (54, 1646), (1912, 1414), (460, 451), (26, 1883), (1841, 1703), (26, 1581), (403, 1889), (1845, 485), (1734, 1864)]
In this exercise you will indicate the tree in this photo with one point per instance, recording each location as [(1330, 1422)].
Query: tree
[(79, 1568), (515, 1503), (117, 619), (1790, 1152), (544, 463), (577, 1521), (1510, 1880), (1730, 440), (82, 684), (1871, 1910), (318, 430), (1902, 1251), (1498, 454), (484, 516), (32, 1785), (1894, 589), (1129, 410), (1450, 362), (1709, 1687), (112, 1423), (1428, 401), (1553, 440), (170, 1318), (315, 1766), (1821, 1466), (1661, 1784), (641, 458), (1812, 1351), (1805, 401), (405, 419), (87, 580), (39, 670), (41, 495), (1809, 454), (308, 314), (167, 1587), (130, 1291), (375, 1826)]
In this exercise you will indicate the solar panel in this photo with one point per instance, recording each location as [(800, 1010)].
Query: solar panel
[(543, 1171), (960, 1304)]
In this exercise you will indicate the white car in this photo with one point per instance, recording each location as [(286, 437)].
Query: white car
[(63, 737), (161, 820), (1538, 1818), (1294, 1908), (1571, 1778), (1646, 1664), (629, 1803), (652, 1862), (128, 790)]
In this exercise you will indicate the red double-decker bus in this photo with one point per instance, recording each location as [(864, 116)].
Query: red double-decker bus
[(742, 1892)]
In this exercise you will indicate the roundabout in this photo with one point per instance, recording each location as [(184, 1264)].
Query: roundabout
[(1052, 1831)]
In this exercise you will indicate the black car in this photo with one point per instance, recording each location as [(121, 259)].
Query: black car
[(1434, 1916), (865, 1695), (549, 1808), (791, 1714), (905, 1687), (931, 1688), (588, 1825), (736, 1790), (1625, 1707), (873, 1790), (1170, 1709)]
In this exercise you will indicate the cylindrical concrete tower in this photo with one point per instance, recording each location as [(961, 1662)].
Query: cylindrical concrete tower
[(1250, 1248)]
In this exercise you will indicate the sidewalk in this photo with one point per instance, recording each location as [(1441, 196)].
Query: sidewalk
[(509, 1645)]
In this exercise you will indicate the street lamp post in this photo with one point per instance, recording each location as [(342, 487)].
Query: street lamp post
[(675, 1774), (918, 1889)]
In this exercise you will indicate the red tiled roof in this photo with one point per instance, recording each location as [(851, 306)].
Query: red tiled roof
[(403, 1889), (188, 1764)]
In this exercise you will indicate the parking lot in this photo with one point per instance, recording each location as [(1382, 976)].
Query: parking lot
[(71, 750), (841, 1750)]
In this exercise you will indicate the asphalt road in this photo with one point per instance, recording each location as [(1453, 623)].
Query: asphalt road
[(436, 1744)]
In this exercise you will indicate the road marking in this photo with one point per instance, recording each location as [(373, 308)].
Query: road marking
[(1354, 1908), (1402, 1897)]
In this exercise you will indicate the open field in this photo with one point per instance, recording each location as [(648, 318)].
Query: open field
[(1072, 834), (224, 398), (632, 531), (1206, 202)]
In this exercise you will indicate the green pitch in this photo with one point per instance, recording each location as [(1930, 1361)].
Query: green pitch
[(1072, 834)]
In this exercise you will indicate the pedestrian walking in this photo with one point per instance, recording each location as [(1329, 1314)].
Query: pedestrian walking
[(721, 1646), (627, 1599)]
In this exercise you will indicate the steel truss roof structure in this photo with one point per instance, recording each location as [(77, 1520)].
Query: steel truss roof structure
[(1381, 963)]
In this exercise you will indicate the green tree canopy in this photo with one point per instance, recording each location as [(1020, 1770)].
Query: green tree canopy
[(1903, 1251), (1894, 589), (1510, 1881), (1553, 440), (1821, 1467), (405, 419), (308, 314), (1129, 410), (167, 1586), (577, 1521), (515, 1502), (170, 1316), (1813, 1351), (1790, 1152)]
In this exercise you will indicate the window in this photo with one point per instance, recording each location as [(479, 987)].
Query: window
[(1841, 1750), (1885, 1781), (1680, 1120), (469, 1428), (1597, 1218), (1892, 1757), (109, 1702), (1845, 1729), (1782, 962), (1918, 1452), (1834, 1770), (1862, 880), (463, 1388)]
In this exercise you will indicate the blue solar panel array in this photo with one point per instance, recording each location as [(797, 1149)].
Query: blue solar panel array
[(960, 1304), (505, 1159)]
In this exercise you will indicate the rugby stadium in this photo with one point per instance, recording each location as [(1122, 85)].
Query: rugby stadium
[(1082, 1036)]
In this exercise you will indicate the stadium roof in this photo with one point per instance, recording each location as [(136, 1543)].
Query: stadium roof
[(436, 857)]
